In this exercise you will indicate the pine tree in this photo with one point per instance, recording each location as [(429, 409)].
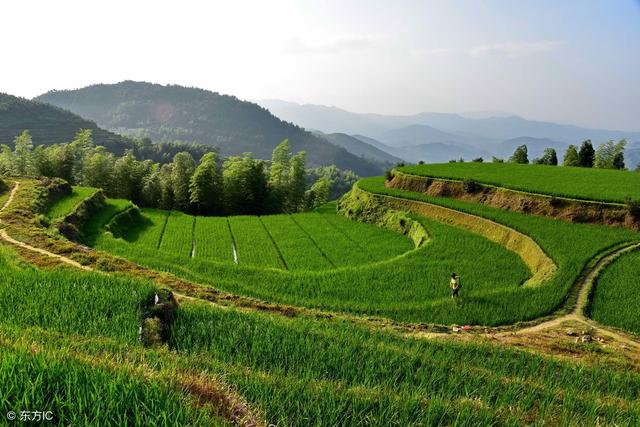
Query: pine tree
[(586, 154)]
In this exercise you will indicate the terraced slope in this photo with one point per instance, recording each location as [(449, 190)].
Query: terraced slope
[(302, 242), (601, 185), (616, 296), (240, 366)]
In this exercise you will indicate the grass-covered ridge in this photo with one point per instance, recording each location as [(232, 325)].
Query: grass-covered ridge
[(602, 185), (66, 204)]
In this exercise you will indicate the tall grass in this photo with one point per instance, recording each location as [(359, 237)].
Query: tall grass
[(302, 372), (616, 294), (213, 239), (71, 302), (580, 183), (83, 395)]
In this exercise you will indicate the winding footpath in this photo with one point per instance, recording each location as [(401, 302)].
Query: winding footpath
[(5, 236), (577, 314)]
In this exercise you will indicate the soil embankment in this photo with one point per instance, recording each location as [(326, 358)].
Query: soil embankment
[(571, 210)]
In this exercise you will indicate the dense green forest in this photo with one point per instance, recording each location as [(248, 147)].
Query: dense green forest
[(50, 125), (168, 113), (237, 185)]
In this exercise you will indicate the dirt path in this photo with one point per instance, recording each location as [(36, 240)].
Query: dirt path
[(5, 236), (577, 314)]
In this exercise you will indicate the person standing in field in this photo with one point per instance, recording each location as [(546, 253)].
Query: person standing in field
[(454, 283)]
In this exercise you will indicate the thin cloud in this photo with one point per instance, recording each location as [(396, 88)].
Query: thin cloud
[(339, 45), (512, 49)]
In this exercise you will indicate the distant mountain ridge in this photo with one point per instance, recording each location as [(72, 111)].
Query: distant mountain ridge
[(333, 119), (430, 132), (360, 148), (196, 115)]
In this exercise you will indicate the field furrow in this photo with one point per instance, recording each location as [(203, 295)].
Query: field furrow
[(177, 236), (297, 249), (253, 245), (342, 250), (212, 239)]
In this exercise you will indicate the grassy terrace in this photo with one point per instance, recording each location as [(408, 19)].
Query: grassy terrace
[(307, 241), (65, 204), (87, 367), (578, 183), (587, 241), (410, 287), (41, 372), (616, 295)]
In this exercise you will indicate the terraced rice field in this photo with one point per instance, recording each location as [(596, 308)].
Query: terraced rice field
[(616, 294), (602, 185), (84, 364), (299, 242), (39, 310)]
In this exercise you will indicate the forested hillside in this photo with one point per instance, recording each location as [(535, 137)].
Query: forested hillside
[(167, 113), (50, 125)]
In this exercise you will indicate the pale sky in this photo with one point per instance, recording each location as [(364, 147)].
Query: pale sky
[(566, 61)]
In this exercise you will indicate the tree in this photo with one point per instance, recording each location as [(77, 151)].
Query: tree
[(495, 159), (586, 154), (520, 155), (618, 161), (6, 160), (23, 156), (318, 194), (43, 161), (127, 178), (341, 181), (206, 186), (280, 163), (98, 171), (571, 157), (152, 188), (297, 185), (279, 176), (605, 157), (244, 185), (182, 169), (166, 187), (83, 149), (548, 158)]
